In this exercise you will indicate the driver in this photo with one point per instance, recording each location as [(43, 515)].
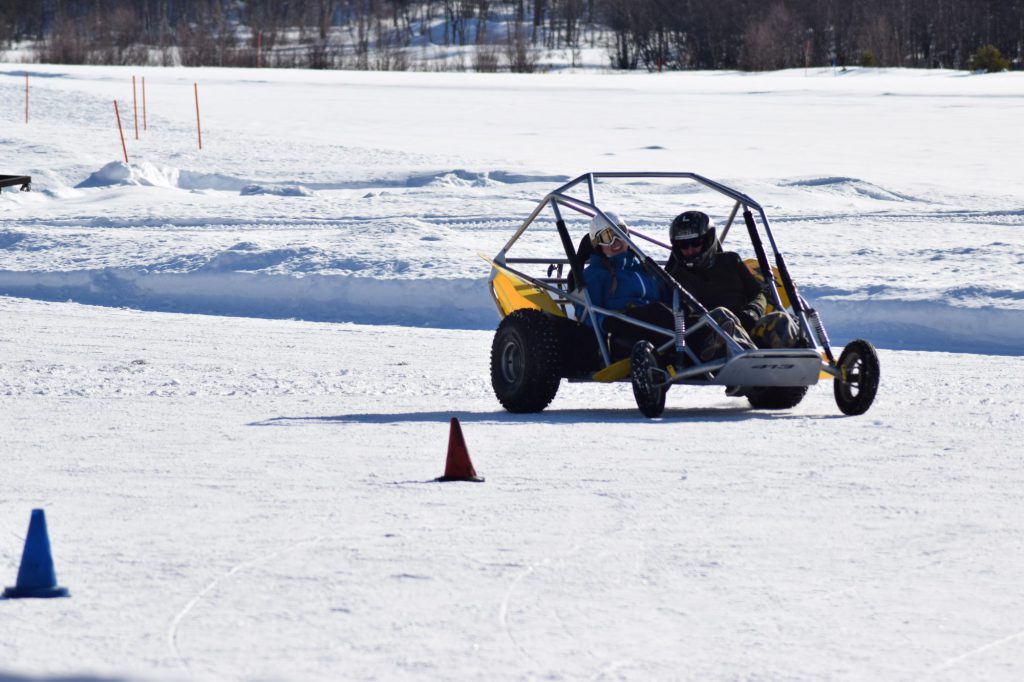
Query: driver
[(724, 285)]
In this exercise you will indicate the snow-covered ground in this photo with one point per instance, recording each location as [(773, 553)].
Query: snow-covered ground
[(365, 197), (246, 495)]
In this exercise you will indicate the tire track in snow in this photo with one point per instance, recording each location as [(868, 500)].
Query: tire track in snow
[(503, 611), (606, 667), (956, 660), (172, 633)]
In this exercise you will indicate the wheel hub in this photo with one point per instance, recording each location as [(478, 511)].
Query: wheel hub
[(511, 362)]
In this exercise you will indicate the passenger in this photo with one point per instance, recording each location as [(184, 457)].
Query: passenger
[(616, 279), (723, 284)]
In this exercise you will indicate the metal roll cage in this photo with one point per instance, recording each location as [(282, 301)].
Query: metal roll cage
[(809, 321)]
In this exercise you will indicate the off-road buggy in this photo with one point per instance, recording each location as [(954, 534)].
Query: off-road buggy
[(540, 341)]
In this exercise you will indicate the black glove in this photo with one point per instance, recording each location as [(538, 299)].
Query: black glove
[(749, 317)]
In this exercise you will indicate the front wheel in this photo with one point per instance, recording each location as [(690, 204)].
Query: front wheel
[(857, 384), (526, 361), (647, 378)]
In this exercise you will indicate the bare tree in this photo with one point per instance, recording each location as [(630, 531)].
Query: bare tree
[(773, 42)]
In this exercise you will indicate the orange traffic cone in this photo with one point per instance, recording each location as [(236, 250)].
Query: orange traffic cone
[(458, 467)]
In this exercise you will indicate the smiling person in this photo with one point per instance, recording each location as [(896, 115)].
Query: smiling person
[(617, 280)]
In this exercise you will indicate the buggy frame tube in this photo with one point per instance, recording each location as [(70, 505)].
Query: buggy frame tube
[(728, 223), (577, 272), (589, 178), (522, 228), (762, 259)]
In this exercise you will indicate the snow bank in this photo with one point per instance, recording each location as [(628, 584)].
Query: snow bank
[(286, 191), (849, 187), (146, 174), (463, 178), (150, 175), (239, 282), (220, 289), (924, 325)]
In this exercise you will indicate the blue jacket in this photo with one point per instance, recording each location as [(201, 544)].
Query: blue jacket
[(634, 285)]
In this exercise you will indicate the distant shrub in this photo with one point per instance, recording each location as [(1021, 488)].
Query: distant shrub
[(485, 59), (521, 55), (868, 59), (988, 58)]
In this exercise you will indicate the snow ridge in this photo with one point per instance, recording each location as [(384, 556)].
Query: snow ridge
[(146, 174), (223, 286), (443, 303)]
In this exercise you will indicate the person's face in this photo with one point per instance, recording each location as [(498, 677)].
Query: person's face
[(616, 246)]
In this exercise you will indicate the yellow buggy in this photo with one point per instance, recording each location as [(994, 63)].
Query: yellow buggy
[(544, 305)]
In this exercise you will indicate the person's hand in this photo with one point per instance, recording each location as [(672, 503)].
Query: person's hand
[(749, 317)]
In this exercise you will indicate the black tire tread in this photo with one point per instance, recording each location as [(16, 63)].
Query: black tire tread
[(775, 397), (539, 341), (650, 399), (870, 373)]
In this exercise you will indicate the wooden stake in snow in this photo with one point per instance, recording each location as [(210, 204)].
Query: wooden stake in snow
[(259, 48), (199, 128), (26, 97), (145, 126), (121, 131), (135, 108)]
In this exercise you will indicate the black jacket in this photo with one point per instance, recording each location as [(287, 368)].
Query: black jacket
[(724, 282)]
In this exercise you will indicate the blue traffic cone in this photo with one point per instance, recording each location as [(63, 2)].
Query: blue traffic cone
[(36, 577)]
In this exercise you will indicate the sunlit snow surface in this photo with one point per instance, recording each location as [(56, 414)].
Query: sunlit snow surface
[(239, 498)]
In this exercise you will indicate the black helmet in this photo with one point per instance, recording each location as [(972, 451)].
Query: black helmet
[(689, 229)]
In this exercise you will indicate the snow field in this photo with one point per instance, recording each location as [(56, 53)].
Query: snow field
[(237, 470), (315, 197), (252, 499)]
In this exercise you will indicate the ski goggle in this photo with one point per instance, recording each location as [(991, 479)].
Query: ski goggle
[(607, 237)]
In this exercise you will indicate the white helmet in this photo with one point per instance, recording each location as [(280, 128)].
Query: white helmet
[(598, 225)]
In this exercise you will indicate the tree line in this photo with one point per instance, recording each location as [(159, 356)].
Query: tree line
[(637, 34), (758, 35)]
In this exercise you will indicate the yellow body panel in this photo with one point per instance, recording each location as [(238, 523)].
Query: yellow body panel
[(613, 372), (755, 269), (824, 375), (512, 293)]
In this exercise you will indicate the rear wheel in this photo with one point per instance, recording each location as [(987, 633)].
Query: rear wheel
[(647, 377), (775, 397), (526, 364), (857, 385)]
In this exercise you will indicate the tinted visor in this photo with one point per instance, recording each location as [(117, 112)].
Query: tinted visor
[(688, 242)]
